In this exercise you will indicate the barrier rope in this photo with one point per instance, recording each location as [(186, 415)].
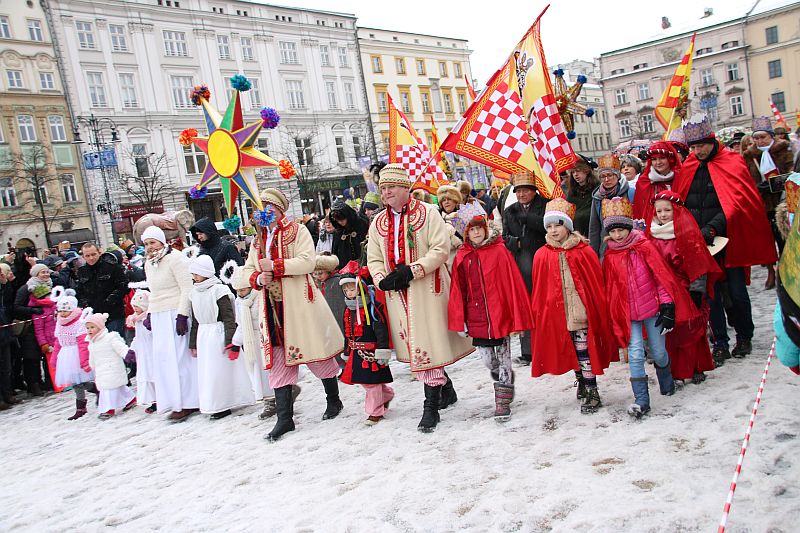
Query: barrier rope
[(25, 321)]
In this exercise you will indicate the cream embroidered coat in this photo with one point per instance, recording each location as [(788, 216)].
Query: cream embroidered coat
[(419, 321), (311, 333)]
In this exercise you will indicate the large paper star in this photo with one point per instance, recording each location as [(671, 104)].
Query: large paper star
[(231, 156), (567, 101)]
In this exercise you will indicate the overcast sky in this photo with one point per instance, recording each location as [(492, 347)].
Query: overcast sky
[(577, 29)]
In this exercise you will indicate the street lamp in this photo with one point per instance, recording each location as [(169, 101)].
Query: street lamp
[(100, 157)]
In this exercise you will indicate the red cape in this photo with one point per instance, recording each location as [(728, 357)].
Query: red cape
[(751, 241), (643, 196), (615, 270), (551, 344), (506, 294)]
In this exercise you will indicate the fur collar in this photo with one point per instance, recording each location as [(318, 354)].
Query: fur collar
[(664, 232), (573, 240), (494, 234)]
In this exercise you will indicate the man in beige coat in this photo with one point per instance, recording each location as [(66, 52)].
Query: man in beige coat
[(296, 324), (406, 255)]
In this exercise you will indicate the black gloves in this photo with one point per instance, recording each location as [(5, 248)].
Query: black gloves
[(37, 310), (397, 280), (697, 298), (666, 317), (708, 234)]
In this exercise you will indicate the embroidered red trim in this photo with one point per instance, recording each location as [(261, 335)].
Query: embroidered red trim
[(278, 268)]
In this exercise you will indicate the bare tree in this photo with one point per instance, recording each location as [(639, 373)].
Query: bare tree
[(150, 182)]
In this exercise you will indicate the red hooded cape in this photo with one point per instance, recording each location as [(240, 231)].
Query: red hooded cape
[(551, 344), (505, 291), (615, 270), (749, 231), (646, 189)]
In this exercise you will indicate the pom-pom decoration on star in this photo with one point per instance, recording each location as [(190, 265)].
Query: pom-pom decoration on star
[(186, 136), (265, 217), (287, 170), (232, 223), (567, 100), (249, 230), (231, 155), (198, 93), (589, 112), (270, 118), (198, 194)]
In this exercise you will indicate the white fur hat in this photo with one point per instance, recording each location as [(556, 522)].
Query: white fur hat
[(141, 299), (203, 265), (239, 279), (65, 299), (154, 232)]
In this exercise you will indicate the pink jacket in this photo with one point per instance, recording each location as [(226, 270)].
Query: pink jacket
[(70, 331), (45, 324), (645, 293)]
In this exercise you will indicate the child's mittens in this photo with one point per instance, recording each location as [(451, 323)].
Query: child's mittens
[(130, 357), (146, 322), (233, 352), (46, 349), (666, 317), (382, 356)]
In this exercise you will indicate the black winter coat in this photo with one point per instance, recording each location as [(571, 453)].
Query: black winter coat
[(103, 287), (702, 200), (524, 233), (6, 310), (347, 239), (220, 250)]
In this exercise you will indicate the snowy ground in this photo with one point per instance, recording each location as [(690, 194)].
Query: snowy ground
[(549, 468)]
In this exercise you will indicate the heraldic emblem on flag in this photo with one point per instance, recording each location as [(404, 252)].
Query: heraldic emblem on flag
[(410, 150)]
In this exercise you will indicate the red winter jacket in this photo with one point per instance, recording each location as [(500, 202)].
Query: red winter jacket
[(44, 325), (645, 293)]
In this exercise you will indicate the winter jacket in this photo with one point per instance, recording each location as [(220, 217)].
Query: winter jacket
[(6, 316), (523, 233), (784, 161), (220, 250), (597, 232), (103, 286), (348, 239), (23, 310), (107, 352), (71, 331), (170, 283), (582, 199), (702, 200), (645, 293), (45, 326)]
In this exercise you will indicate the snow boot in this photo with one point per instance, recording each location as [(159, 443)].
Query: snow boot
[(591, 402), (720, 354), (580, 394), (641, 396), (269, 409), (430, 410), (503, 394), (742, 348), (332, 396), (698, 378), (221, 414), (152, 409), (449, 396), (665, 381), (80, 410), (284, 407)]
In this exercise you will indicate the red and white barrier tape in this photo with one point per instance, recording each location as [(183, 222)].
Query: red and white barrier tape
[(727, 509), (25, 321)]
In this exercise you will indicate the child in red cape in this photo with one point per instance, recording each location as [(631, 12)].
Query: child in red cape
[(677, 237), (488, 300), (570, 313), (663, 164), (642, 294)]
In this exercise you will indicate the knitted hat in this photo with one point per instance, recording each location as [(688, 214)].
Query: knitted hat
[(38, 267), (465, 188), (608, 162), (66, 300), (617, 213), (523, 179), (586, 162), (559, 211), (349, 273), (394, 174), (372, 200), (97, 319), (698, 130), (662, 149), (763, 124), (203, 265), (466, 214), (422, 195), (275, 198), (40, 291), (668, 195), (326, 263), (240, 279), (155, 233), (449, 192), (141, 299)]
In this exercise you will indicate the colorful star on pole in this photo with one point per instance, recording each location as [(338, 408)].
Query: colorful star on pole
[(567, 101), (231, 156)]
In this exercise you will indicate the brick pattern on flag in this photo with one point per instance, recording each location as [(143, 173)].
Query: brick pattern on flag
[(550, 138), (500, 127), (776, 112)]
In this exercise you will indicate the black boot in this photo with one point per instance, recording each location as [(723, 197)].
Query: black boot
[(332, 396), (581, 385), (430, 411), (666, 383), (449, 396), (591, 403), (285, 408)]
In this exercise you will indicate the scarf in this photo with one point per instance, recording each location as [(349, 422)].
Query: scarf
[(633, 237), (251, 342), (767, 165), (35, 282), (352, 303), (73, 316), (135, 317), (609, 193), (664, 232), (655, 177), (155, 257), (207, 283)]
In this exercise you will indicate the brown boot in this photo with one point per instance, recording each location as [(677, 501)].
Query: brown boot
[(80, 410), (182, 415)]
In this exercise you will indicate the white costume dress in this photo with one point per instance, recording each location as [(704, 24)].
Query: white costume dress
[(145, 365), (107, 353), (247, 339)]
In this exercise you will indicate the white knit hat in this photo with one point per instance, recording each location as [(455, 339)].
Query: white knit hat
[(65, 299), (154, 232), (38, 267), (203, 266), (240, 279), (141, 299)]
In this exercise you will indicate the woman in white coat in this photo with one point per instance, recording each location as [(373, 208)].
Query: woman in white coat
[(168, 318)]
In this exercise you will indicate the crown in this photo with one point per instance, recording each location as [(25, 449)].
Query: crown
[(762, 124), (616, 207), (697, 128), (677, 136), (523, 179), (560, 205), (608, 161), (792, 195), (466, 213)]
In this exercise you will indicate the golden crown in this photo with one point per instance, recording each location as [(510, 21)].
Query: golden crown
[(608, 161), (616, 207), (523, 179), (562, 206), (792, 195)]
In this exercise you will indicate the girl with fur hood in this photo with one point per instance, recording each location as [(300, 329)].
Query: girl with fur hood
[(450, 199), (71, 350), (488, 300)]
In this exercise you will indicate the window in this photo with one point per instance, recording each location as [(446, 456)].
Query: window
[(701, 51), (621, 96), (8, 195), (15, 79), (175, 44), (119, 42), (85, 35), (226, 82), (288, 53), (218, 10), (330, 91), (357, 146), (97, 89), (640, 66), (35, 30), (128, 90), (194, 158), (457, 70), (41, 191), (27, 131), (383, 104), (377, 64), (779, 100), (400, 65), (774, 68), (294, 90), (181, 85), (448, 102), (737, 108), (426, 101), (733, 71), (255, 93), (772, 34), (405, 101), (57, 131), (421, 67), (324, 56), (262, 145), (462, 103), (730, 44), (617, 71), (624, 128), (644, 91), (349, 95), (223, 47), (247, 48), (344, 58), (68, 188), (304, 155), (706, 77), (5, 28), (339, 148), (443, 69), (338, 24), (648, 124), (320, 22)]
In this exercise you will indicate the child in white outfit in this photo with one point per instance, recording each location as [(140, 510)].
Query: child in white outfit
[(142, 345), (107, 353)]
